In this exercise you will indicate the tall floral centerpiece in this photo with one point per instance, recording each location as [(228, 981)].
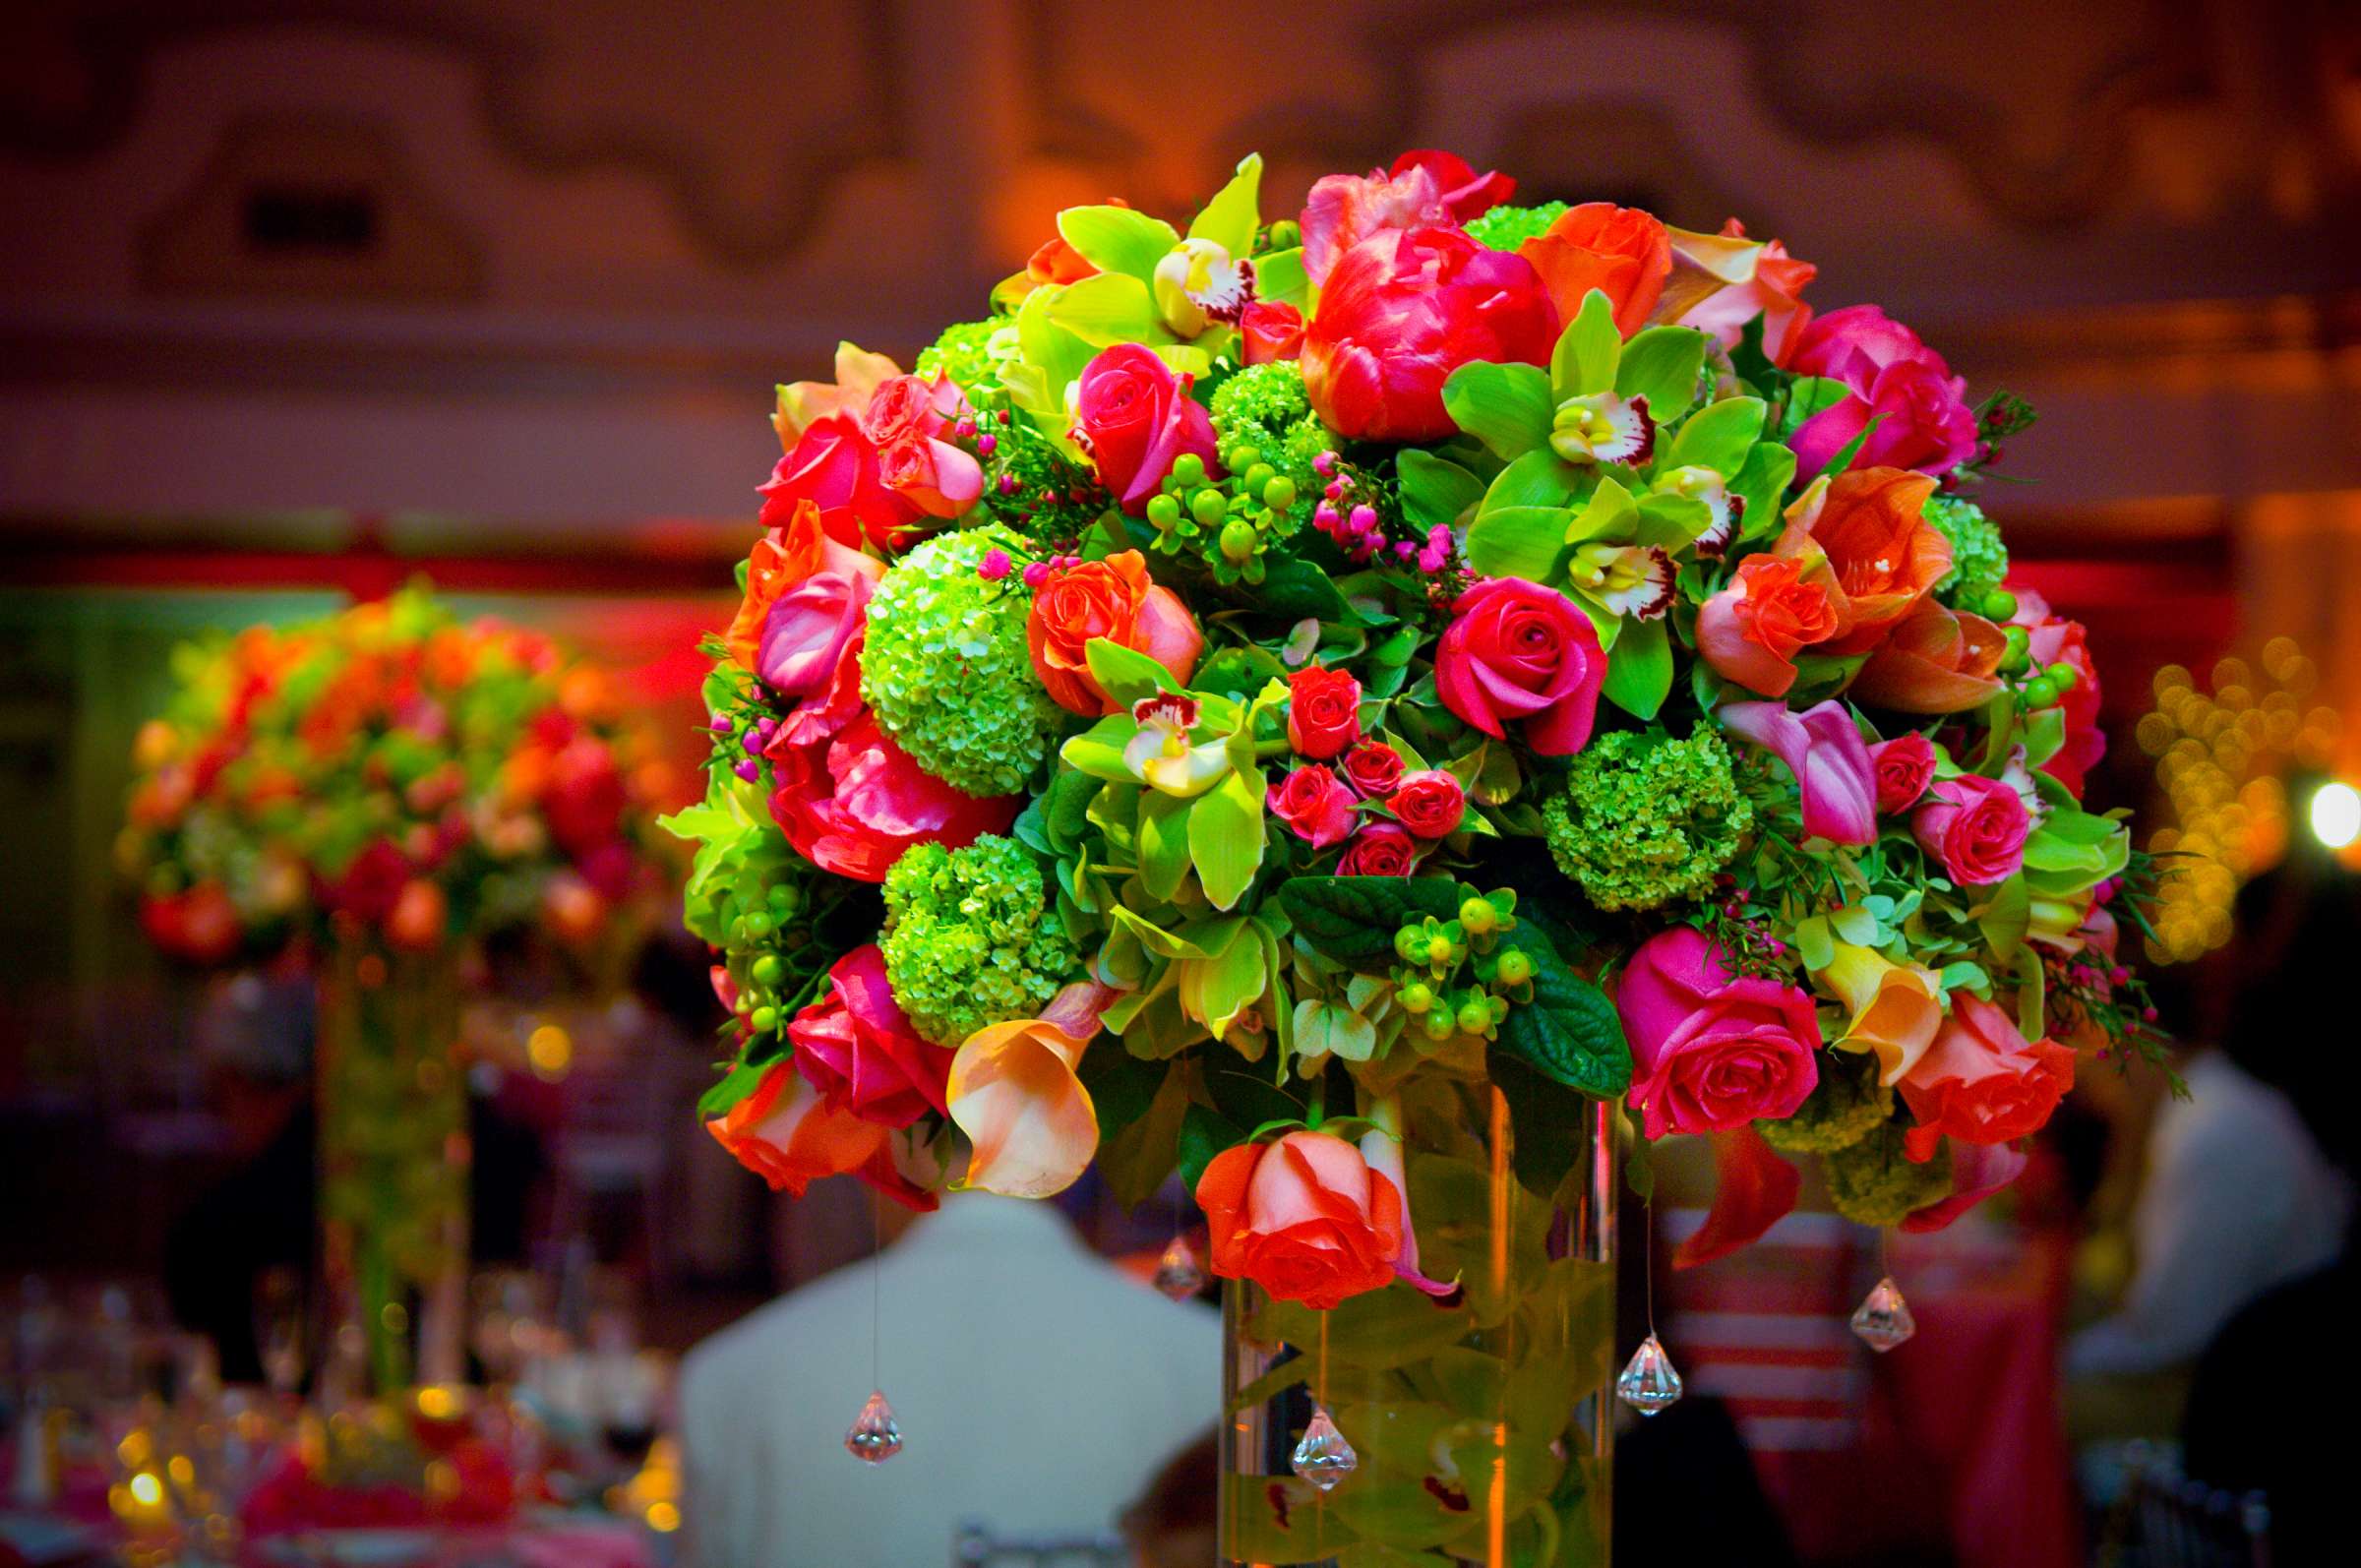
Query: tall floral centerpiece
[(369, 794), (1342, 706)]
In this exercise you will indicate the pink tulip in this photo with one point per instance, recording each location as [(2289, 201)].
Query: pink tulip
[(1823, 748)]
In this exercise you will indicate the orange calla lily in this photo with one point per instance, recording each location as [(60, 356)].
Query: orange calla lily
[(1896, 1008), (1015, 1091)]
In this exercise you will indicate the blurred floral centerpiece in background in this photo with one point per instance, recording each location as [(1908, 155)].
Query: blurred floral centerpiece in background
[(1339, 705)]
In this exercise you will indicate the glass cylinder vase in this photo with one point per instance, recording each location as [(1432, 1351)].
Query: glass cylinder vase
[(1477, 1422), (394, 1161)]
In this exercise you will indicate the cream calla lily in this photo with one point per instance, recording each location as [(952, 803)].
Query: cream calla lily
[(1896, 1008), (1017, 1091)]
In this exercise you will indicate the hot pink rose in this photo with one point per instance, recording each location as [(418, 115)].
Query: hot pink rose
[(1135, 415), (855, 1046), (2057, 641), (1380, 849), (1424, 189), (1372, 768), (853, 803), (1517, 650), (1976, 826), (1316, 804), (1983, 1081), (1429, 802), (1711, 1050), (1823, 748), (1323, 711), (1904, 766), (1927, 424), (810, 626), (1402, 311), (1269, 330)]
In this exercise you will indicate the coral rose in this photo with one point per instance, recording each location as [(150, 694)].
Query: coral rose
[(1923, 420), (1771, 611), (1619, 251), (1981, 1081), (1711, 1049), (1324, 712), (1113, 599), (1402, 311), (1976, 826), (1882, 553), (1305, 1218), (789, 1135), (855, 1046), (1134, 416), (1517, 650)]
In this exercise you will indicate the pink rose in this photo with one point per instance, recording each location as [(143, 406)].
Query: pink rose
[(1976, 826), (810, 626), (855, 1046), (1823, 748), (1429, 804), (1904, 766), (1517, 650), (875, 462), (2057, 640), (1424, 189), (1324, 712), (1134, 415), (1927, 424), (1381, 849), (1711, 1050), (852, 802), (1372, 768), (1316, 805)]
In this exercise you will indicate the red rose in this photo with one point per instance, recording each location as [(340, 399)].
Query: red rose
[(369, 882), (856, 1046), (1270, 331), (1305, 1218), (1402, 311), (851, 804), (1381, 849), (1517, 650), (1621, 250), (2057, 640), (1323, 711), (1976, 826), (1429, 804), (1372, 768), (1904, 766), (833, 466), (1424, 189), (1316, 805), (1981, 1081), (586, 796), (1134, 415)]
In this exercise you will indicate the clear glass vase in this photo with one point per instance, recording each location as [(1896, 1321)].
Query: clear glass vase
[(394, 1161), (1479, 1421)]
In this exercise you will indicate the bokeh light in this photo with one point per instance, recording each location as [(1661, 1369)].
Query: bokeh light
[(2335, 814)]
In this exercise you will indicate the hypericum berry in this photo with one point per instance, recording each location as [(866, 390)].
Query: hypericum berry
[(1515, 967), (2019, 652), (1189, 470), (1417, 996), (758, 925), (1999, 605), (2062, 676), (769, 968), (1238, 539), (1474, 1016), (784, 898), (2040, 691), (1208, 506), (1279, 493), (1438, 949), (762, 1021), (1440, 1023), (747, 770), (1410, 942), (1478, 916), (722, 724), (1164, 511)]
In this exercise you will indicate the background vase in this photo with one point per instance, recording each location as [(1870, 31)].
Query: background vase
[(1479, 1423), (394, 1162)]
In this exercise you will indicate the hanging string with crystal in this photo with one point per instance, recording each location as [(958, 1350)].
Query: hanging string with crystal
[(1648, 1383), (1883, 1319), (1178, 1276), (876, 1436), (1324, 1457)]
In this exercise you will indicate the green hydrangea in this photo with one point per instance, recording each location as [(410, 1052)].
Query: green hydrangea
[(1645, 818), (945, 669), (1846, 1106), (1504, 228), (1873, 1183), (964, 353), (969, 938), (1979, 561)]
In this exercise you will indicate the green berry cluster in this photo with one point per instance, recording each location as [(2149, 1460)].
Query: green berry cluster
[(1872, 1181), (964, 353), (1979, 561), (1645, 818), (1846, 1105), (1456, 977), (947, 671), (1504, 228), (777, 961), (970, 940)]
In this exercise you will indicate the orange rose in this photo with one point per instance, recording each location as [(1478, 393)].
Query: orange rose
[(1772, 610), (1113, 599), (781, 559), (1935, 661), (1305, 1218), (1981, 1081), (1621, 250), (790, 1137), (1884, 556)]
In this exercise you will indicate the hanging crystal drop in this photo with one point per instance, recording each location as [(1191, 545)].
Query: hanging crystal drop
[(1883, 1319), (1323, 1458), (874, 1437), (1649, 1384), (1177, 1273)]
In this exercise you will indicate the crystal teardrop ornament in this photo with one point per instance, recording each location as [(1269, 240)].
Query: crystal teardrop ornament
[(874, 1436), (1883, 1319), (1323, 1458), (1177, 1273), (1648, 1383)]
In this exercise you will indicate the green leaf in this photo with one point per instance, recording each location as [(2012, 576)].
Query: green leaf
[(1215, 991), (1762, 483), (1352, 919), (1568, 1031), (1540, 478), (1119, 239), (1106, 309), (1279, 278), (1528, 542), (2006, 917), (1611, 514), (1142, 1150), (1127, 674), (1226, 837), (735, 1086), (1328, 1028), (1434, 490), (1808, 396), (1294, 589), (1717, 436), (1815, 943), (1660, 364), (1163, 843), (1375, 1331), (1507, 407), (1851, 449), (1230, 218), (1099, 749), (1588, 352), (1639, 669), (1204, 1133)]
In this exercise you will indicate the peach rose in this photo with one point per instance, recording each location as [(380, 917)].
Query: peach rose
[(791, 1136), (1772, 610), (1981, 1081), (1305, 1218), (1115, 599)]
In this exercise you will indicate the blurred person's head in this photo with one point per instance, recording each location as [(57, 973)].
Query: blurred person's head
[(2298, 934), (1173, 1522), (253, 1043)]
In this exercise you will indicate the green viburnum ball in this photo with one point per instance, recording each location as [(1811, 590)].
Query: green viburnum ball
[(1645, 818), (1504, 228), (964, 353), (1873, 1183), (970, 940), (1846, 1105), (1979, 561), (946, 672)]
